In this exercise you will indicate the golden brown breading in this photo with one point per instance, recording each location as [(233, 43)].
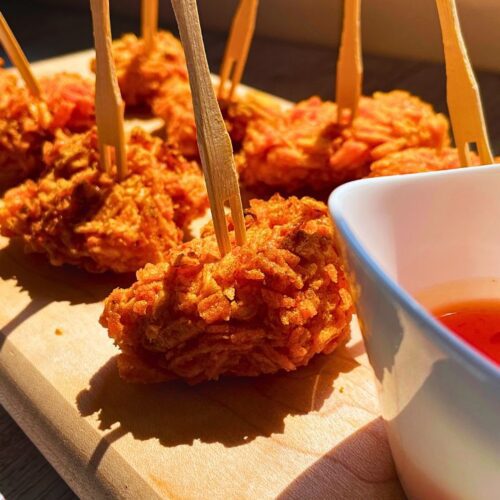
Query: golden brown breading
[(269, 305), (174, 104), (159, 80), (140, 74), (24, 126), (76, 214), (26, 122), (307, 149), (70, 99), (417, 160)]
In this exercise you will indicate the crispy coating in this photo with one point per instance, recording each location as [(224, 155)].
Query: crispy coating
[(70, 99), (26, 122), (417, 160), (140, 74), (269, 305), (306, 148), (159, 80), (24, 126), (75, 214), (174, 104)]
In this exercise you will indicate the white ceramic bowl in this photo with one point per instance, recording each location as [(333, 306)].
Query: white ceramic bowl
[(440, 399)]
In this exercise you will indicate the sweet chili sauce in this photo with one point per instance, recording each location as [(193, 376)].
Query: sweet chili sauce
[(477, 322)]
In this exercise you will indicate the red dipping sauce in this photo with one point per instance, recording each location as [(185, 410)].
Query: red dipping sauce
[(475, 321)]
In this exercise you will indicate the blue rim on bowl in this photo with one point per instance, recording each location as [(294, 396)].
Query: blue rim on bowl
[(432, 327)]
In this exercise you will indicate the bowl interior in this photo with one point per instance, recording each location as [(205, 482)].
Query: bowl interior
[(427, 229)]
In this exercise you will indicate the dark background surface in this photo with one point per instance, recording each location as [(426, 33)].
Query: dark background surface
[(292, 71)]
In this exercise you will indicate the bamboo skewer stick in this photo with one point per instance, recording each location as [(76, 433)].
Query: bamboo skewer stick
[(17, 57), (109, 105), (213, 140), (349, 64), (149, 22), (238, 46), (464, 102)]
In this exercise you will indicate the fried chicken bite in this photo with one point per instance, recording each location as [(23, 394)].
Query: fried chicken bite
[(417, 160), (76, 214), (27, 122), (140, 74), (306, 148), (70, 99), (269, 305), (158, 81), (175, 106)]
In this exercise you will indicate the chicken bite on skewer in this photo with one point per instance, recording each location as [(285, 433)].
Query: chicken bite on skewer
[(76, 214), (70, 99), (140, 73), (27, 122), (307, 149), (158, 80), (174, 104), (418, 160), (269, 305)]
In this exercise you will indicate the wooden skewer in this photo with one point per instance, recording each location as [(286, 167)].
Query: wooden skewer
[(109, 106), (149, 22), (238, 46), (213, 140), (17, 57), (464, 102), (349, 64)]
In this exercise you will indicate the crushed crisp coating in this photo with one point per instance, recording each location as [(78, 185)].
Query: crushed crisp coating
[(158, 80), (305, 148), (417, 160), (140, 74), (26, 122), (70, 98), (76, 214), (269, 305), (174, 104)]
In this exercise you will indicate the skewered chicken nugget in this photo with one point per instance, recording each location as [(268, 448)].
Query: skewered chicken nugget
[(23, 129), (269, 305), (417, 160), (70, 98), (175, 105), (306, 148), (158, 80), (27, 122), (78, 215), (140, 74)]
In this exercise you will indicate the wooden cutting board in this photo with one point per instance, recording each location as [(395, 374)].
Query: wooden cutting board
[(314, 433)]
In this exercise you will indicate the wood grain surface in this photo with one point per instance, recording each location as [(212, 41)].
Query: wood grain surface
[(278, 68)]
